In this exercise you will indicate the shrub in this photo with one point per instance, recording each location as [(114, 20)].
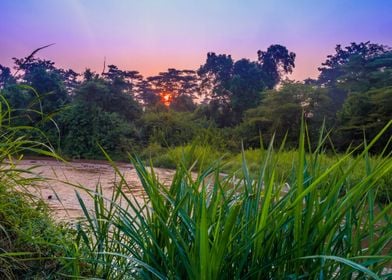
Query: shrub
[(170, 128), (85, 128)]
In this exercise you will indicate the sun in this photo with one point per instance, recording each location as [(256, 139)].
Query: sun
[(166, 98)]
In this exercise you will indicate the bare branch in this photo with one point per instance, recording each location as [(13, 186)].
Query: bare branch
[(28, 58)]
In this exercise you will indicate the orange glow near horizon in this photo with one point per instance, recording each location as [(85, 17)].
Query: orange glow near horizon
[(166, 98), (152, 36)]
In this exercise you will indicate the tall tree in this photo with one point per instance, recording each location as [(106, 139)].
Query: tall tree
[(112, 95), (365, 113), (216, 74), (281, 110), (103, 112), (246, 86), (233, 87), (147, 96), (352, 62), (276, 62), (46, 79), (356, 68), (124, 81), (178, 87), (230, 87), (71, 81), (6, 77)]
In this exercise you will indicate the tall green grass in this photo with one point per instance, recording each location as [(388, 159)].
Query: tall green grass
[(30, 242), (314, 223), (285, 165)]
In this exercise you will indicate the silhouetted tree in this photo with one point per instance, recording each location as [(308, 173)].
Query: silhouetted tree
[(175, 86), (101, 93), (351, 62), (125, 81), (146, 95), (216, 74), (246, 86), (230, 87), (89, 75), (71, 81), (276, 62), (6, 77), (46, 79)]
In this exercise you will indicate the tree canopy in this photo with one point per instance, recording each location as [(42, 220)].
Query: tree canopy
[(238, 99)]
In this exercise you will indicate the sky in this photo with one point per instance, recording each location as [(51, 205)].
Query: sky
[(152, 36)]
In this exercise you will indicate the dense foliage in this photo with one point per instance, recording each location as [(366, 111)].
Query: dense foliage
[(224, 103)]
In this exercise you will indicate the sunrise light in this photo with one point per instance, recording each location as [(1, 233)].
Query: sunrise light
[(166, 98)]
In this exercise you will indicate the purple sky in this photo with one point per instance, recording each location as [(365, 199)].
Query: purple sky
[(151, 36)]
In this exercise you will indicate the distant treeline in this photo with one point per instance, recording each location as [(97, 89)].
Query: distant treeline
[(223, 104)]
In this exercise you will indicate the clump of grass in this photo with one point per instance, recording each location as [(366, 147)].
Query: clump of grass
[(285, 165), (30, 242), (170, 157), (287, 162), (316, 223)]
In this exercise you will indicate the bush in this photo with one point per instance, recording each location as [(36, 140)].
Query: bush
[(85, 128), (31, 245), (170, 128), (190, 155)]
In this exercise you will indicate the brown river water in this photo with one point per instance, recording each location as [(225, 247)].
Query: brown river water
[(61, 181)]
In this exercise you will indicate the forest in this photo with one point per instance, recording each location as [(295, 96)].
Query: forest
[(224, 104)]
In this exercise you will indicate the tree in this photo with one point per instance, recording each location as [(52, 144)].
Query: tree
[(46, 79), (246, 86), (71, 81), (178, 87), (109, 95), (147, 96), (89, 75), (365, 114), (216, 74), (183, 103), (233, 87), (123, 81), (280, 112), (356, 68), (275, 62), (6, 77), (351, 63), (103, 112), (48, 91)]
